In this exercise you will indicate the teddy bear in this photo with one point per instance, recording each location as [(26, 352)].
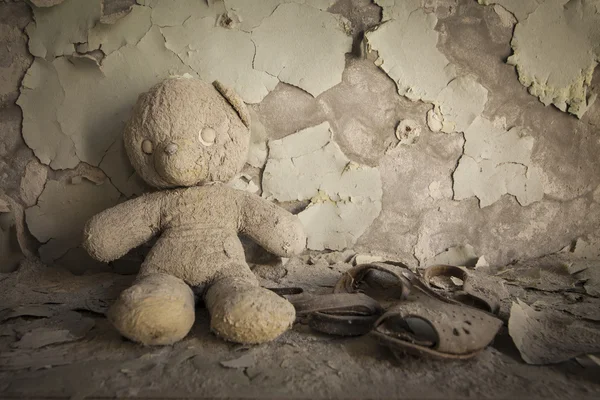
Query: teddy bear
[(188, 138)]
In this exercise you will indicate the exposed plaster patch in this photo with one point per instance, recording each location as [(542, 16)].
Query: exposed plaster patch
[(252, 13), (217, 53), (496, 162), (506, 17), (408, 53), (14, 61), (127, 30), (57, 29), (302, 46), (460, 103), (398, 9), (556, 49), (345, 197), (519, 8), (62, 211)]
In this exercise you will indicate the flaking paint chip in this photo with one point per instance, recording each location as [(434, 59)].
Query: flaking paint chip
[(519, 8), (497, 162), (74, 113), (303, 46), (57, 29), (252, 13), (398, 9), (62, 211), (222, 54), (408, 53), (345, 196), (128, 30), (460, 103), (556, 49)]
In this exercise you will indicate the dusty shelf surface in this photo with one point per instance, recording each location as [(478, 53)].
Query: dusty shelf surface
[(90, 359)]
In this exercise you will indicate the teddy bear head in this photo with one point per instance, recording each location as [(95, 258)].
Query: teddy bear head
[(186, 132)]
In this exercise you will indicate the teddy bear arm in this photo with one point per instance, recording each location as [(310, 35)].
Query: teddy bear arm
[(275, 229), (112, 233)]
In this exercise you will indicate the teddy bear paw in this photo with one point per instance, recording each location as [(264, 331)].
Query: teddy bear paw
[(248, 315), (157, 310)]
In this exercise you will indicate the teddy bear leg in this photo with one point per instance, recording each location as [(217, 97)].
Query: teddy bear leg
[(157, 310), (243, 312)]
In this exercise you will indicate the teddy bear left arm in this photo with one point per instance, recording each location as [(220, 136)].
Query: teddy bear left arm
[(113, 232), (275, 229)]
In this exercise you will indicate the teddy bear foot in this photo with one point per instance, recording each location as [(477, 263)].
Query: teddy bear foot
[(245, 313), (157, 310)]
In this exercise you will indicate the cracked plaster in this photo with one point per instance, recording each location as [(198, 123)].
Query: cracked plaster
[(176, 12), (408, 53), (345, 196), (83, 127), (283, 117), (57, 29), (497, 162), (62, 210), (460, 103), (302, 46), (252, 13), (128, 30), (230, 61), (519, 8)]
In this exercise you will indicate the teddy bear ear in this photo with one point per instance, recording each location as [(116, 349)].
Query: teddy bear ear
[(235, 100)]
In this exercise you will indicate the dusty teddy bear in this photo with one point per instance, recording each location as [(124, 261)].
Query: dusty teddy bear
[(190, 137)]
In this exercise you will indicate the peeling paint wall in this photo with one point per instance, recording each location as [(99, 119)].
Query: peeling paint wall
[(404, 128)]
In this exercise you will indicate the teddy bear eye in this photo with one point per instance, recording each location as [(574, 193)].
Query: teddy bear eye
[(147, 146), (207, 136)]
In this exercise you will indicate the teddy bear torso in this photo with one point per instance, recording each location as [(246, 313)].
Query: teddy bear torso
[(199, 235)]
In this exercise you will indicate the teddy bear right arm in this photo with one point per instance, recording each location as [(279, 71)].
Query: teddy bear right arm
[(272, 227), (113, 232)]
